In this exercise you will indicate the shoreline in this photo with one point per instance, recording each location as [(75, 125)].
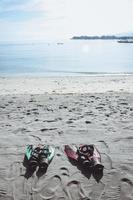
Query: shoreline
[(65, 84), (65, 74)]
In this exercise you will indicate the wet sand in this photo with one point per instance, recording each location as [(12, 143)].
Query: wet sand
[(59, 115)]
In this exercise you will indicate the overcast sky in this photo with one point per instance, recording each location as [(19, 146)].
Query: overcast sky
[(57, 19)]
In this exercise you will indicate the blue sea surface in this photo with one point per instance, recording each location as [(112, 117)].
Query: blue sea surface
[(67, 57)]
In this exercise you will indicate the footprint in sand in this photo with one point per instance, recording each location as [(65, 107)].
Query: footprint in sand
[(97, 191), (75, 191), (14, 170), (126, 188), (53, 187), (71, 189), (16, 182), (112, 186), (19, 191), (47, 188)]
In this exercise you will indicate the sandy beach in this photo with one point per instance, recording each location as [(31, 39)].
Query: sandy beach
[(67, 110), (66, 84)]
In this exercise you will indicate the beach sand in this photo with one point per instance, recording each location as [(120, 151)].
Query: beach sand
[(67, 110)]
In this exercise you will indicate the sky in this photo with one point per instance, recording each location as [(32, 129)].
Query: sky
[(24, 20)]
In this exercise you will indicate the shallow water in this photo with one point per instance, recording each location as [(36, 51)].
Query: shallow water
[(70, 56)]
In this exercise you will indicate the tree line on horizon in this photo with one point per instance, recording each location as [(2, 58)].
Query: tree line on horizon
[(103, 37)]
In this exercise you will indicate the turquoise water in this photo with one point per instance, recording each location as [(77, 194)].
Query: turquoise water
[(71, 56)]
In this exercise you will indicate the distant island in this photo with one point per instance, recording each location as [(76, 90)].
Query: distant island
[(103, 37)]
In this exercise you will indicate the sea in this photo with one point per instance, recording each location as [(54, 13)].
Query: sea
[(67, 57)]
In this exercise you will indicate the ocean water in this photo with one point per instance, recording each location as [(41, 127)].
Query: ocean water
[(67, 57)]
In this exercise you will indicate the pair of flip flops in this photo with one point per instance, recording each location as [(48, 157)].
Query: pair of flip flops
[(38, 156), (87, 156)]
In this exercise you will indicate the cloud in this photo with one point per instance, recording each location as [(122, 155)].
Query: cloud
[(33, 19), (29, 9), (9, 5), (31, 5)]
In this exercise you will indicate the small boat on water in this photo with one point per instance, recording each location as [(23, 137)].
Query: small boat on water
[(125, 41), (59, 43)]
